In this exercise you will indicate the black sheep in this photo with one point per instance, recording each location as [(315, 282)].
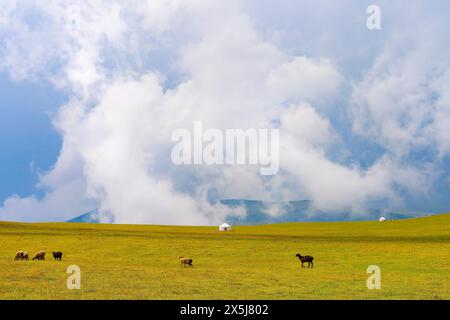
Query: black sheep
[(304, 259), (57, 255)]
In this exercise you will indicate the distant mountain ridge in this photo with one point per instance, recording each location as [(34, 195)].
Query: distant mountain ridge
[(92, 217), (263, 212)]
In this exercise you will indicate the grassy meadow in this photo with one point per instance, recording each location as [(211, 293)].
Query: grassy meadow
[(250, 262)]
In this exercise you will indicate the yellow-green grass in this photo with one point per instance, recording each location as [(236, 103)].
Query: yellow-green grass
[(250, 262)]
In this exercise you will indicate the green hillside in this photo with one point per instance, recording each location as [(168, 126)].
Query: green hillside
[(251, 262)]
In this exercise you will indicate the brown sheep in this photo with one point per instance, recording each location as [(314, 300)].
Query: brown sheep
[(19, 255), (304, 259), (186, 261), (181, 258), (39, 255)]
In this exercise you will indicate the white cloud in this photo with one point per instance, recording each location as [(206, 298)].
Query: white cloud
[(306, 125), (402, 102), (117, 125), (303, 80)]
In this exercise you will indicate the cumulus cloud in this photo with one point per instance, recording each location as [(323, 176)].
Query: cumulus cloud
[(396, 103), (136, 72), (303, 80)]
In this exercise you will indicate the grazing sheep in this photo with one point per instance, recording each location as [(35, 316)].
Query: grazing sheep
[(19, 255), (39, 255), (186, 261), (304, 259), (57, 255), (182, 259)]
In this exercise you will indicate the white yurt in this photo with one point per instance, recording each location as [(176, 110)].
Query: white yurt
[(224, 227), (382, 219)]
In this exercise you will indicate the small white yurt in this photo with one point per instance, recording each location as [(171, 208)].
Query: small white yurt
[(224, 227), (382, 219)]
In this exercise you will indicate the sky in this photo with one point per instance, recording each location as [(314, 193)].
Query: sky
[(90, 92)]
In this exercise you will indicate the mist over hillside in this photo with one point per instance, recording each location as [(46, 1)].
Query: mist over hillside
[(263, 212)]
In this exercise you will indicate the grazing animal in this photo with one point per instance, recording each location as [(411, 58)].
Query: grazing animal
[(57, 255), (25, 256), (304, 259), (39, 255), (19, 255), (186, 261)]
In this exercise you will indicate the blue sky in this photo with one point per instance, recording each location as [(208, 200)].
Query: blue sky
[(29, 142), (87, 108)]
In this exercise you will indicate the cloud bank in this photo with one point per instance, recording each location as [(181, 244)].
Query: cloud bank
[(134, 73)]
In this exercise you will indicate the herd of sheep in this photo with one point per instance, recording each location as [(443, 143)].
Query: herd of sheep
[(184, 261), (57, 255), (40, 255)]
